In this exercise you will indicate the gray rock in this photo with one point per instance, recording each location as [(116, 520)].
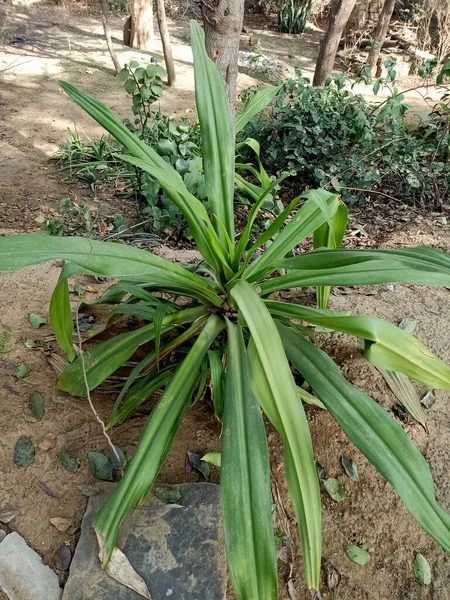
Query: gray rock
[(23, 575), (177, 549)]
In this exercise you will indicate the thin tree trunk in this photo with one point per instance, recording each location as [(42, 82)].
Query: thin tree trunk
[(379, 35), (108, 39), (165, 39), (339, 16), (223, 21), (142, 30)]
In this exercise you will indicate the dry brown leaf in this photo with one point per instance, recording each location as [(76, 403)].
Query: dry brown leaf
[(7, 514), (48, 442), (60, 523), (120, 569)]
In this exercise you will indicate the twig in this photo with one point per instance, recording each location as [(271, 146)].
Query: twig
[(95, 413), (414, 89), (370, 192)]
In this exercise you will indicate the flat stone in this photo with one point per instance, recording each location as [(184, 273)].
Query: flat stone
[(177, 549), (23, 575)]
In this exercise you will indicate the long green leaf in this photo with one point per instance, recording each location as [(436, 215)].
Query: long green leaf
[(104, 359), (217, 133), (107, 259), (245, 483), (327, 236), (387, 346), (61, 319), (155, 440), (138, 394), (256, 104), (275, 389), (217, 381), (245, 236), (169, 179), (377, 435), (304, 223), (149, 361), (426, 266)]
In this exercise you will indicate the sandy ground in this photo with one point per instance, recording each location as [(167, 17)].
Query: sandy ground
[(35, 116)]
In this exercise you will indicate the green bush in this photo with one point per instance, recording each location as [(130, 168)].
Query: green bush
[(334, 138), (178, 141)]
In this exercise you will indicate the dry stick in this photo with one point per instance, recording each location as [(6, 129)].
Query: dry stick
[(370, 192), (108, 39), (165, 40), (83, 368)]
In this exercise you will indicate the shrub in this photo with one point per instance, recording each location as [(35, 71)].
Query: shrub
[(227, 321), (292, 15), (331, 136), (178, 141)]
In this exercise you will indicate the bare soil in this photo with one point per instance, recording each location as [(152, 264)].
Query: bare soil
[(35, 116)]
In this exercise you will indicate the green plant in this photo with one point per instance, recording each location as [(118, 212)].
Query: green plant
[(335, 139), (145, 86), (292, 15), (226, 321), (75, 216)]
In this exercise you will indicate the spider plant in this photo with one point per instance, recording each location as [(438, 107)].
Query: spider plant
[(223, 315)]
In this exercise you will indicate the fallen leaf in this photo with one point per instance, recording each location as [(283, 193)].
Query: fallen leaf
[(116, 465), (69, 462), (167, 494), (100, 466), (24, 452), (321, 474), (429, 399), (64, 557), (422, 571), (408, 324), (7, 514), (21, 371), (46, 490), (333, 578), (350, 467), (37, 320), (60, 523), (358, 555), (120, 569), (5, 342), (88, 490), (34, 344), (193, 461), (48, 442), (335, 489), (36, 405), (213, 458), (11, 390)]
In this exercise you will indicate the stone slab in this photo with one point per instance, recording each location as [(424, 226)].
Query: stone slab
[(178, 551), (23, 575)]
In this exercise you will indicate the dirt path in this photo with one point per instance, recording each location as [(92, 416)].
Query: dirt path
[(51, 45)]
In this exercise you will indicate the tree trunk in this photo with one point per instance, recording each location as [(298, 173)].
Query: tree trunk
[(142, 31), (165, 39), (111, 50), (339, 16), (223, 21), (379, 35)]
